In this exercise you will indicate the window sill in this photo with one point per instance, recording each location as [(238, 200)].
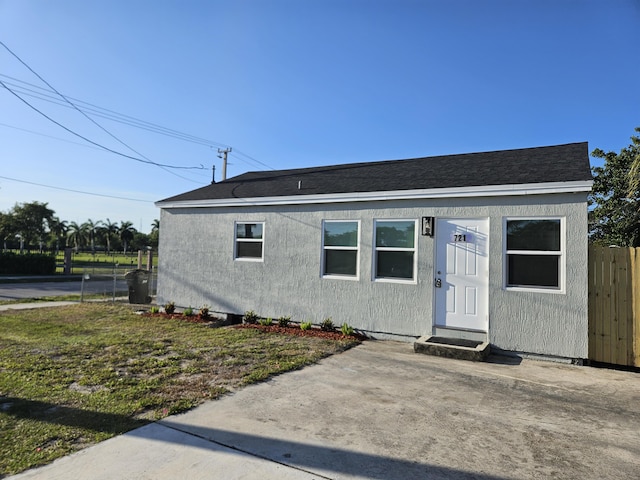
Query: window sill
[(554, 291), (402, 281), (351, 278)]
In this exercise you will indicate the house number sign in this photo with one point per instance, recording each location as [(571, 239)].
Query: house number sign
[(462, 238)]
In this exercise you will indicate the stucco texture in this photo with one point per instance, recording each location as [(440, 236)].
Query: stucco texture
[(197, 267)]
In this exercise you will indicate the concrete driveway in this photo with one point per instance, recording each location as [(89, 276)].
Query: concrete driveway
[(379, 411)]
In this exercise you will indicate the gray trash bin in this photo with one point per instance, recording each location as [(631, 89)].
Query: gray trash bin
[(138, 283)]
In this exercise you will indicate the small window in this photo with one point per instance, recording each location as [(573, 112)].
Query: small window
[(340, 251), (534, 253), (249, 241), (395, 253)]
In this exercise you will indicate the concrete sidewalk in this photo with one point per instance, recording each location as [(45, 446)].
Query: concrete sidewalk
[(31, 305), (380, 411)]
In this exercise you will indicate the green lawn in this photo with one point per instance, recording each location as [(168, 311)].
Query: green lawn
[(103, 263), (74, 376)]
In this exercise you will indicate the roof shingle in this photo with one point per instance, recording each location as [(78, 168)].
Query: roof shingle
[(559, 163)]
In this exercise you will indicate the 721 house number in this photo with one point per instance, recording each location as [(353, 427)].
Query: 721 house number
[(460, 238)]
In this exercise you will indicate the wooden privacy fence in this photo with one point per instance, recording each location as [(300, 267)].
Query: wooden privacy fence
[(614, 305)]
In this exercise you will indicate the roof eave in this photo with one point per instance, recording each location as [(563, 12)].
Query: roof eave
[(456, 192)]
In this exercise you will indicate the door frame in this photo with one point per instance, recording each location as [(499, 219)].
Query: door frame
[(434, 324)]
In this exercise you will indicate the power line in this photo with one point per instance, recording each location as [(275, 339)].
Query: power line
[(86, 146), (108, 114), (75, 191), (238, 152), (71, 103), (149, 162), (129, 120), (33, 132), (142, 160)]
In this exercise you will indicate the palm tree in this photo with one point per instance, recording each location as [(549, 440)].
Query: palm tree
[(126, 233), (90, 227), (59, 229), (75, 234), (154, 235), (109, 228)]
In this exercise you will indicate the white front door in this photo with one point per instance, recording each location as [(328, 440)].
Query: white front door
[(462, 273)]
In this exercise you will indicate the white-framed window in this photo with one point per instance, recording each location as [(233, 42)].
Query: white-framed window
[(534, 253), (395, 256), (340, 248), (249, 241)]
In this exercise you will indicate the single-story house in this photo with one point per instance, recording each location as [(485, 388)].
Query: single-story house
[(485, 246)]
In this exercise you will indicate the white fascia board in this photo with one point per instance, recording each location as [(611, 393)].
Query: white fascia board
[(456, 192)]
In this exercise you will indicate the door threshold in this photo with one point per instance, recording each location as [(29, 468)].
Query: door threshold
[(460, 333)]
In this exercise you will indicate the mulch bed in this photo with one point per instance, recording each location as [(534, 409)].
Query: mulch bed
[(297, 331), (290, 330), (210, 320)]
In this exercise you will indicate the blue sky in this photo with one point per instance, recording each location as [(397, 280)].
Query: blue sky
[(295, 83)]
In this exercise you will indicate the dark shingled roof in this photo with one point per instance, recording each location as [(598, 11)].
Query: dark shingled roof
[(560, 163)]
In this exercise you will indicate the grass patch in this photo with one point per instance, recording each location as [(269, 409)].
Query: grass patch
[(101, 263), (73, 376)]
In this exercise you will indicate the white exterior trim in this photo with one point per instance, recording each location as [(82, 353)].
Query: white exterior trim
[(375, 249), (476, 191), (562, 253), (356, 249), (236, 258)]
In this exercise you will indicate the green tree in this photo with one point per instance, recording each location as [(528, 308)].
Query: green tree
[(615, 197), (127, 232), (109, 229), (634, 171), (91, 229), (140, 241), (32, 221), (76, 235), (155, 234), (59, 229), (7, 229)]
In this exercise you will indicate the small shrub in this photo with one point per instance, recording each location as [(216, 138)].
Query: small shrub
[(284, 321), (305, 326), (250, 317), (267, 322), (154, 309), (204, 311), (346, 330), (170, 308), (188, 312), (327, 325)]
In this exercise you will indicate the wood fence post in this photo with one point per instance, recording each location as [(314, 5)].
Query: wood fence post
[(633, 329)]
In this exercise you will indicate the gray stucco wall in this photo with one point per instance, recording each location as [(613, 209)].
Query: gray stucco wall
[(197, 267)]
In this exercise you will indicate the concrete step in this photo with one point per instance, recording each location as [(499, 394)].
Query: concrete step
[(459, 348)]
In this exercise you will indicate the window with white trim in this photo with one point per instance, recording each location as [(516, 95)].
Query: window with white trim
[(249, 241), (340, 248), (534, 253), (395, 249)]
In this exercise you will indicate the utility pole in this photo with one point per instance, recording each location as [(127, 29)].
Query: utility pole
[(224, 153)]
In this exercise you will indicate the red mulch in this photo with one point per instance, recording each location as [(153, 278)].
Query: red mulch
[(297, 331), (291, 330), (185, 318)]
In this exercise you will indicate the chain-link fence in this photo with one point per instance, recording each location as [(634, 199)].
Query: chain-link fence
[(121, 283)]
